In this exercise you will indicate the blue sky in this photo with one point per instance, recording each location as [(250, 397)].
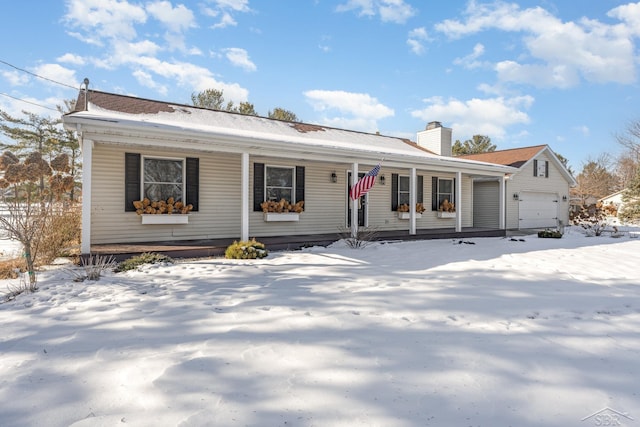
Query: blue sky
[(563, 73)]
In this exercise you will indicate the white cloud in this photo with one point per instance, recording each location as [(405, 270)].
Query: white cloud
[(15, 77), (630, 15), (105, 18), (57, 73), (240, 58), (176, 19), (146, 79), (361, 110), (396, 11), (416, 38), (490, 116), (584, 130), (70, 58), (561, 53), (471, 61), (191, 76), (224, 9)]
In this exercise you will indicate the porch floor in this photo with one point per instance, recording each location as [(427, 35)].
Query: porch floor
[(216, 247)]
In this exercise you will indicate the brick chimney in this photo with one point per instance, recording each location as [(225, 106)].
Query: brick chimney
[(436, 138)]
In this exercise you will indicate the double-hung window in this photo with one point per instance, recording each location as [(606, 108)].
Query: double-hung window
[(280, 183), (445, 190), (403, 190), (163, 178)]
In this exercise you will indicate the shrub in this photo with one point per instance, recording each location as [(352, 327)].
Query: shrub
[(250, 249), (60, 236), (93, 267), (138, 260), (550, 234), (11, 268), (363, 238)]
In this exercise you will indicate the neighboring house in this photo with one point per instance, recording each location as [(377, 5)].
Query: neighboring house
[(614, 199), (226, 165), (537, 194)]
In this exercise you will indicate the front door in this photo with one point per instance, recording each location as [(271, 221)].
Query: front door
[(362, 204)]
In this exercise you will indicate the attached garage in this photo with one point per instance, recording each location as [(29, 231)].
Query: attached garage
[(538, 210)]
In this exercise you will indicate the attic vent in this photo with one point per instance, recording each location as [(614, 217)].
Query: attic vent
[(304, 128), (433, 125)]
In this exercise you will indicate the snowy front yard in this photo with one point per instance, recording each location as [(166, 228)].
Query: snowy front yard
[(430, 333)]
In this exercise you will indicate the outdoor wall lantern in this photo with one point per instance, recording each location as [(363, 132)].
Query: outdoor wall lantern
[(382, 179), (515, 196), (564, 198), (334, 177)]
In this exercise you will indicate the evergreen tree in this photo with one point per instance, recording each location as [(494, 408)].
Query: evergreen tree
[(630, 211), (478, 144), (282, 114), (210, 98)]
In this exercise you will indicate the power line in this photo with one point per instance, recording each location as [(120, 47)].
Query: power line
[(36, 75), (28, 102)]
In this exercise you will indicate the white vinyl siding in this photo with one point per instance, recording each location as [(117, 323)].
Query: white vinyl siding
[(525, 181), (219, 211)]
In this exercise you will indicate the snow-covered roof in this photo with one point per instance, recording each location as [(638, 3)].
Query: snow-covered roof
[(222, 130)]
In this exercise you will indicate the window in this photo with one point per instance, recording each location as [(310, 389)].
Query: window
[(445, 190), (163, 178), (442, 189), (541, 168), (279, 183), (400, 190), (275, 183), (403, 190), (188, 183)]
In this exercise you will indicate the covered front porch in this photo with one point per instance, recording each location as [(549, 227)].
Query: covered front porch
[(216, 247)]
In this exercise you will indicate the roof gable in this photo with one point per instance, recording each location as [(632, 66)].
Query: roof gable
[(520, 157), (515, 157)]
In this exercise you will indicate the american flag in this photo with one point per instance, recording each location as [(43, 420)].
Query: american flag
[(365, 183)]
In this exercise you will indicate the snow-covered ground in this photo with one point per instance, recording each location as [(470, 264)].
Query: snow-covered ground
[(501, 332)]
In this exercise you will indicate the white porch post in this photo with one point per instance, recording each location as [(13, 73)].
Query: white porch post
[(244, 227), (503, 203), (354, 203), (458, 202), (85, 233), (413, 188)]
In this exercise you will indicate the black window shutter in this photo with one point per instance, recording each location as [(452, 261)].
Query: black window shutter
[(453, 192), (258, 186), (131, 180), (193, 182), (535, 167), (434, 193), (299, 183), (546, 169), (420, 189), (394, 192)]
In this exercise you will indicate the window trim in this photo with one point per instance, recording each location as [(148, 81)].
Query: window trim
[(435, 192), (183, 160), (293, 181), (399, 192)]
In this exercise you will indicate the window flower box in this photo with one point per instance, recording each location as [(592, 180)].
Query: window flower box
[(407, 215), (165, 219), (281, 217), (442, 214)]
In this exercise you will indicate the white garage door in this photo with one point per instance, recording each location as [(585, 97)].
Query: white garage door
[(538, 210)]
